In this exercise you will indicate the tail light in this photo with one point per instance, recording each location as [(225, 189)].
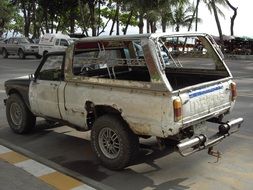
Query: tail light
[(233, 91), (177, 105)]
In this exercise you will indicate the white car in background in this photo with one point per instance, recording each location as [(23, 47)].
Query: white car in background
[(53, 42)]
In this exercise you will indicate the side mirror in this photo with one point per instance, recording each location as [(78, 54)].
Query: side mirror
[(32, 77)]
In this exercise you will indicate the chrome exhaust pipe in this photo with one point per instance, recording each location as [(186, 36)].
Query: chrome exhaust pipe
[(193, 142), (225, 128)]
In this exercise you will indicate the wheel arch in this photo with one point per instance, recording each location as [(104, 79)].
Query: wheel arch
[(15, 91), (2, 50), (20, 49), (95, 111)]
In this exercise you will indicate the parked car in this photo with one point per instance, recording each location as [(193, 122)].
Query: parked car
[(53, 42), (2, 43), (122, 92), (19, 46)]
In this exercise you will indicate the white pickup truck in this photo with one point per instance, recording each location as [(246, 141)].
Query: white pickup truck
[(123, 88)]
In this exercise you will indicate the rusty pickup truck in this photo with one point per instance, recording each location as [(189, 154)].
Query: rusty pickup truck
[(122, 88)]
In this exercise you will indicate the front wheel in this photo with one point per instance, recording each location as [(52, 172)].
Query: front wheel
[(21, 54), (114, 144), (5, 53), (19, 117)]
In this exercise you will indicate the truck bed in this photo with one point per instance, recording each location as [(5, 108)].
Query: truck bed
[(181, 78)]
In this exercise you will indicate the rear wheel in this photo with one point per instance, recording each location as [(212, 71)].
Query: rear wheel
[(5, 53), (114, 144), (21, 54), (19, 117)]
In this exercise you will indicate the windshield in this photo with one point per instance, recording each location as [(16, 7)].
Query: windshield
[(23, 41)]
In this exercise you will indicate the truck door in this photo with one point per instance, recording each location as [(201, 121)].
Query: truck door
[(43, 91)]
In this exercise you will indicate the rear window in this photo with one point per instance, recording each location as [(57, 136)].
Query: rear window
[(121, 60), (189, 53), (189, 61)]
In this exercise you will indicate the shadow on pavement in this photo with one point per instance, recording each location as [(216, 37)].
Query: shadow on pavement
[(75, 154)]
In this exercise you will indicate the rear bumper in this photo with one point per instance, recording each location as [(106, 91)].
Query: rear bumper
[(202, 142)]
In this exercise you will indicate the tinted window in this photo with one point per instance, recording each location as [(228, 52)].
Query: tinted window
[(57, 42), (64, 42), (23, 41), (10, 41), (15, 41)]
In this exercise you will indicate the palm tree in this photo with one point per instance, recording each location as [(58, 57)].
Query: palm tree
[(233, 17), (181, 15), (146, 9), (165, 8), (213, 8)]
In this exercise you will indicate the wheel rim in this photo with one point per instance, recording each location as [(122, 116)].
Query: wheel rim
[(16, 114), (109, 143)]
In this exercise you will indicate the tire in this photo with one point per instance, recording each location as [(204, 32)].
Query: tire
[(38, 56), (5, 53), (21, 54), (113, 131), (19, 117), (45, 53)]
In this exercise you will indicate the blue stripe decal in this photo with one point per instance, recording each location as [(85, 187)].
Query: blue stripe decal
[(204, 91)]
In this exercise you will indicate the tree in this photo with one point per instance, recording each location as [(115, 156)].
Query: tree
[(165, 8), (7, 11), (195, 15), (181, 15), (26, 8), (233, 17), (17, 24), (140, 10), (213, 8)]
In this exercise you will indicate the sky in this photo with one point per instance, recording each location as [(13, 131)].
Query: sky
[(243, 22)]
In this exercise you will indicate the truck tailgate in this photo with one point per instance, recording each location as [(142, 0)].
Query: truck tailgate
[(205, 101)]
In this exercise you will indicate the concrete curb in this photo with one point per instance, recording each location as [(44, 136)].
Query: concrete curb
[(86, 180)]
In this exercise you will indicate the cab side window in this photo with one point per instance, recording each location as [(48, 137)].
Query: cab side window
[(15, 41), (57, 42), (52, 69), (10, 41), (64, 42)]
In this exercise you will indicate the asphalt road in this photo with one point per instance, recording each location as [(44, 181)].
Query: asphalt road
[(154, 169)]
